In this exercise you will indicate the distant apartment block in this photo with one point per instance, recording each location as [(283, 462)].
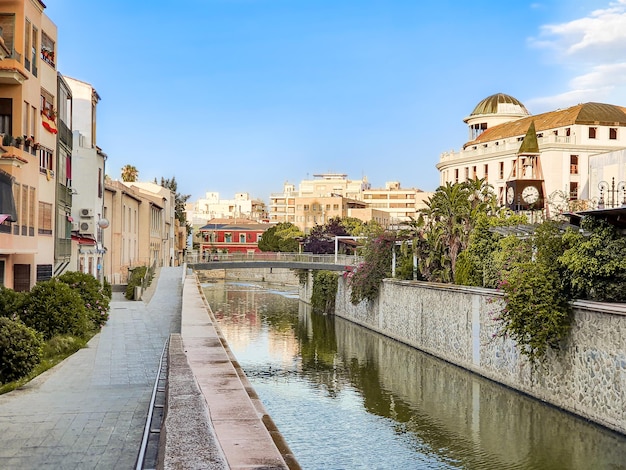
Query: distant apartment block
[(331, 195), (212, 207)]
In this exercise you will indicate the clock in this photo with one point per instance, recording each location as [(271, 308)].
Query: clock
[(530, 194), (510, 195)]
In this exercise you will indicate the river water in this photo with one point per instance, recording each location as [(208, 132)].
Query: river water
[(347, 398)]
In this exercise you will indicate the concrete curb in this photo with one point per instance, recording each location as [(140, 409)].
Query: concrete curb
[(187, 436), (214, 418)]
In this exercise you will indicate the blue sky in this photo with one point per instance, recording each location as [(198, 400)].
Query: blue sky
[(243, 95)]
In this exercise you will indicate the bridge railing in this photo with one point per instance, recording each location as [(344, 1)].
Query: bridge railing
[(347, 260)]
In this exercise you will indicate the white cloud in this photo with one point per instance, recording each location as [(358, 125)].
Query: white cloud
[(593, 46)]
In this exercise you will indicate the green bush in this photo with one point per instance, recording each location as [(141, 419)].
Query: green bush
[(134, 280), (93, 295), (54, 308), (11, 302), (107, 289), (20, 349)]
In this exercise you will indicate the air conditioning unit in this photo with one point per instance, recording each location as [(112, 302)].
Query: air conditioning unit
[(75, 226), (86, 227), (86, 212)]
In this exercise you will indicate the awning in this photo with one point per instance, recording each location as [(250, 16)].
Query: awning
[(4, 217)]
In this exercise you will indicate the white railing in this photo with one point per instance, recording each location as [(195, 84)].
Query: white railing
[(347, 260)]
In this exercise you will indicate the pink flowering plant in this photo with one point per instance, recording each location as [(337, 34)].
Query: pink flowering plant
[(94, 294), (366, 279)]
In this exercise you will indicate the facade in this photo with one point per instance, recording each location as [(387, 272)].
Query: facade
[(143, 229), (212, 207), (88, 161), (334, 195), (28, 172), (63, 213), (161, 220), (230, 236), (607, 179), (566, 140)]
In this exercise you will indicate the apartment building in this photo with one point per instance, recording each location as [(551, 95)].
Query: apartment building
[(566, 139), (331, 195), (88, 161), (29, 168), (143, 229), (242, 206)]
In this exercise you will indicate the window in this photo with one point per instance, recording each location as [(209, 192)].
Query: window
[(568, 131), (501, 170), (33, 51), (456, 175), (306, 207), (573, 164), (99, 182), (6, 116), (242, 238), (573, 190), (466, 171), (45, 218), (474, 172), (47, 49), (45, 160), (335, 207), (228, 237), (486, 170), (613, 133), (27, 33), (592, 132)]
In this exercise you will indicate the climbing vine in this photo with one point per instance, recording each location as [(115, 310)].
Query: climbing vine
[(324, 291)]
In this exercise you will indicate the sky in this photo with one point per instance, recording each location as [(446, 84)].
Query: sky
[(237, 96)]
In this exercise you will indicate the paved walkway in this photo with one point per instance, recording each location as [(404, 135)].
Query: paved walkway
[(89, 412)]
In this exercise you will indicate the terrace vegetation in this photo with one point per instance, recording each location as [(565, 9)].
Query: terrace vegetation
[(464, 237)]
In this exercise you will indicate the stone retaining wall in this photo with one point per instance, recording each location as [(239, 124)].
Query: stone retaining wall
[(455, 323), (280, 276)]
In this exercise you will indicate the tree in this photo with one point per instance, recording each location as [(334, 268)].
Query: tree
[(321, 238), (129, 173), (595, 262), (451, 215), (180, 200), (281, 237)]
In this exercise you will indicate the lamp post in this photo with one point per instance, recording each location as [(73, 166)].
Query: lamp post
[(613, 190)]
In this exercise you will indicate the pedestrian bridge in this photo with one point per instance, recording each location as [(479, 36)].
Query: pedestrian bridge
[(332, 262)]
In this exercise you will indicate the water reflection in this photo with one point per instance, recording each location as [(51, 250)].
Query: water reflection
[(346, 398)]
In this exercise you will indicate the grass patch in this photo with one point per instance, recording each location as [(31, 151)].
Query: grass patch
[(55, 351)]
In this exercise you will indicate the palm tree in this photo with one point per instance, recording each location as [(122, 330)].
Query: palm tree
[(129, 173), (452, 213)]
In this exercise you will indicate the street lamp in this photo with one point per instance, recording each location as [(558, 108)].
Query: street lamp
[(614, 191)]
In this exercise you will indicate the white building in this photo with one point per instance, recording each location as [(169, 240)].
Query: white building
[(88, 163), (212, 207), (566, 139)]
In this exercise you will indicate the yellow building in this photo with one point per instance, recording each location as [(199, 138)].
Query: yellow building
[(331, 195), (28, 124)]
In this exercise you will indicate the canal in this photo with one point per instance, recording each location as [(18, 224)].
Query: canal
[(347, 398)]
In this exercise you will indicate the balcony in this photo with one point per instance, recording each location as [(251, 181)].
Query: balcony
[(12, 72)]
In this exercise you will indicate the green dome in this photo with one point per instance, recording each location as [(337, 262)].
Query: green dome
[(500, 103)]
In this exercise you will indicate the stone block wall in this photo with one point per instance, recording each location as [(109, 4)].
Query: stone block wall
[(586, 377)]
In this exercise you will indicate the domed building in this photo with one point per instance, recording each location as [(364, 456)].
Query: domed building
[(513, 149)]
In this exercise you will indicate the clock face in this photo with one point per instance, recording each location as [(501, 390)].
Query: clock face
[(530, 194), (510, 195)]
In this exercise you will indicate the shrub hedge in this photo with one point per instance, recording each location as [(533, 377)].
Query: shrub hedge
[(20, 349), (92, 293), (54, 308)]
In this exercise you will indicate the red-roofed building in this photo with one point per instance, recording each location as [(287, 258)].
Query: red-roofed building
[(231, 236)]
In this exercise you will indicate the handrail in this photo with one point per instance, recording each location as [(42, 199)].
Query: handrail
[(146, 432), (195, 257)]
